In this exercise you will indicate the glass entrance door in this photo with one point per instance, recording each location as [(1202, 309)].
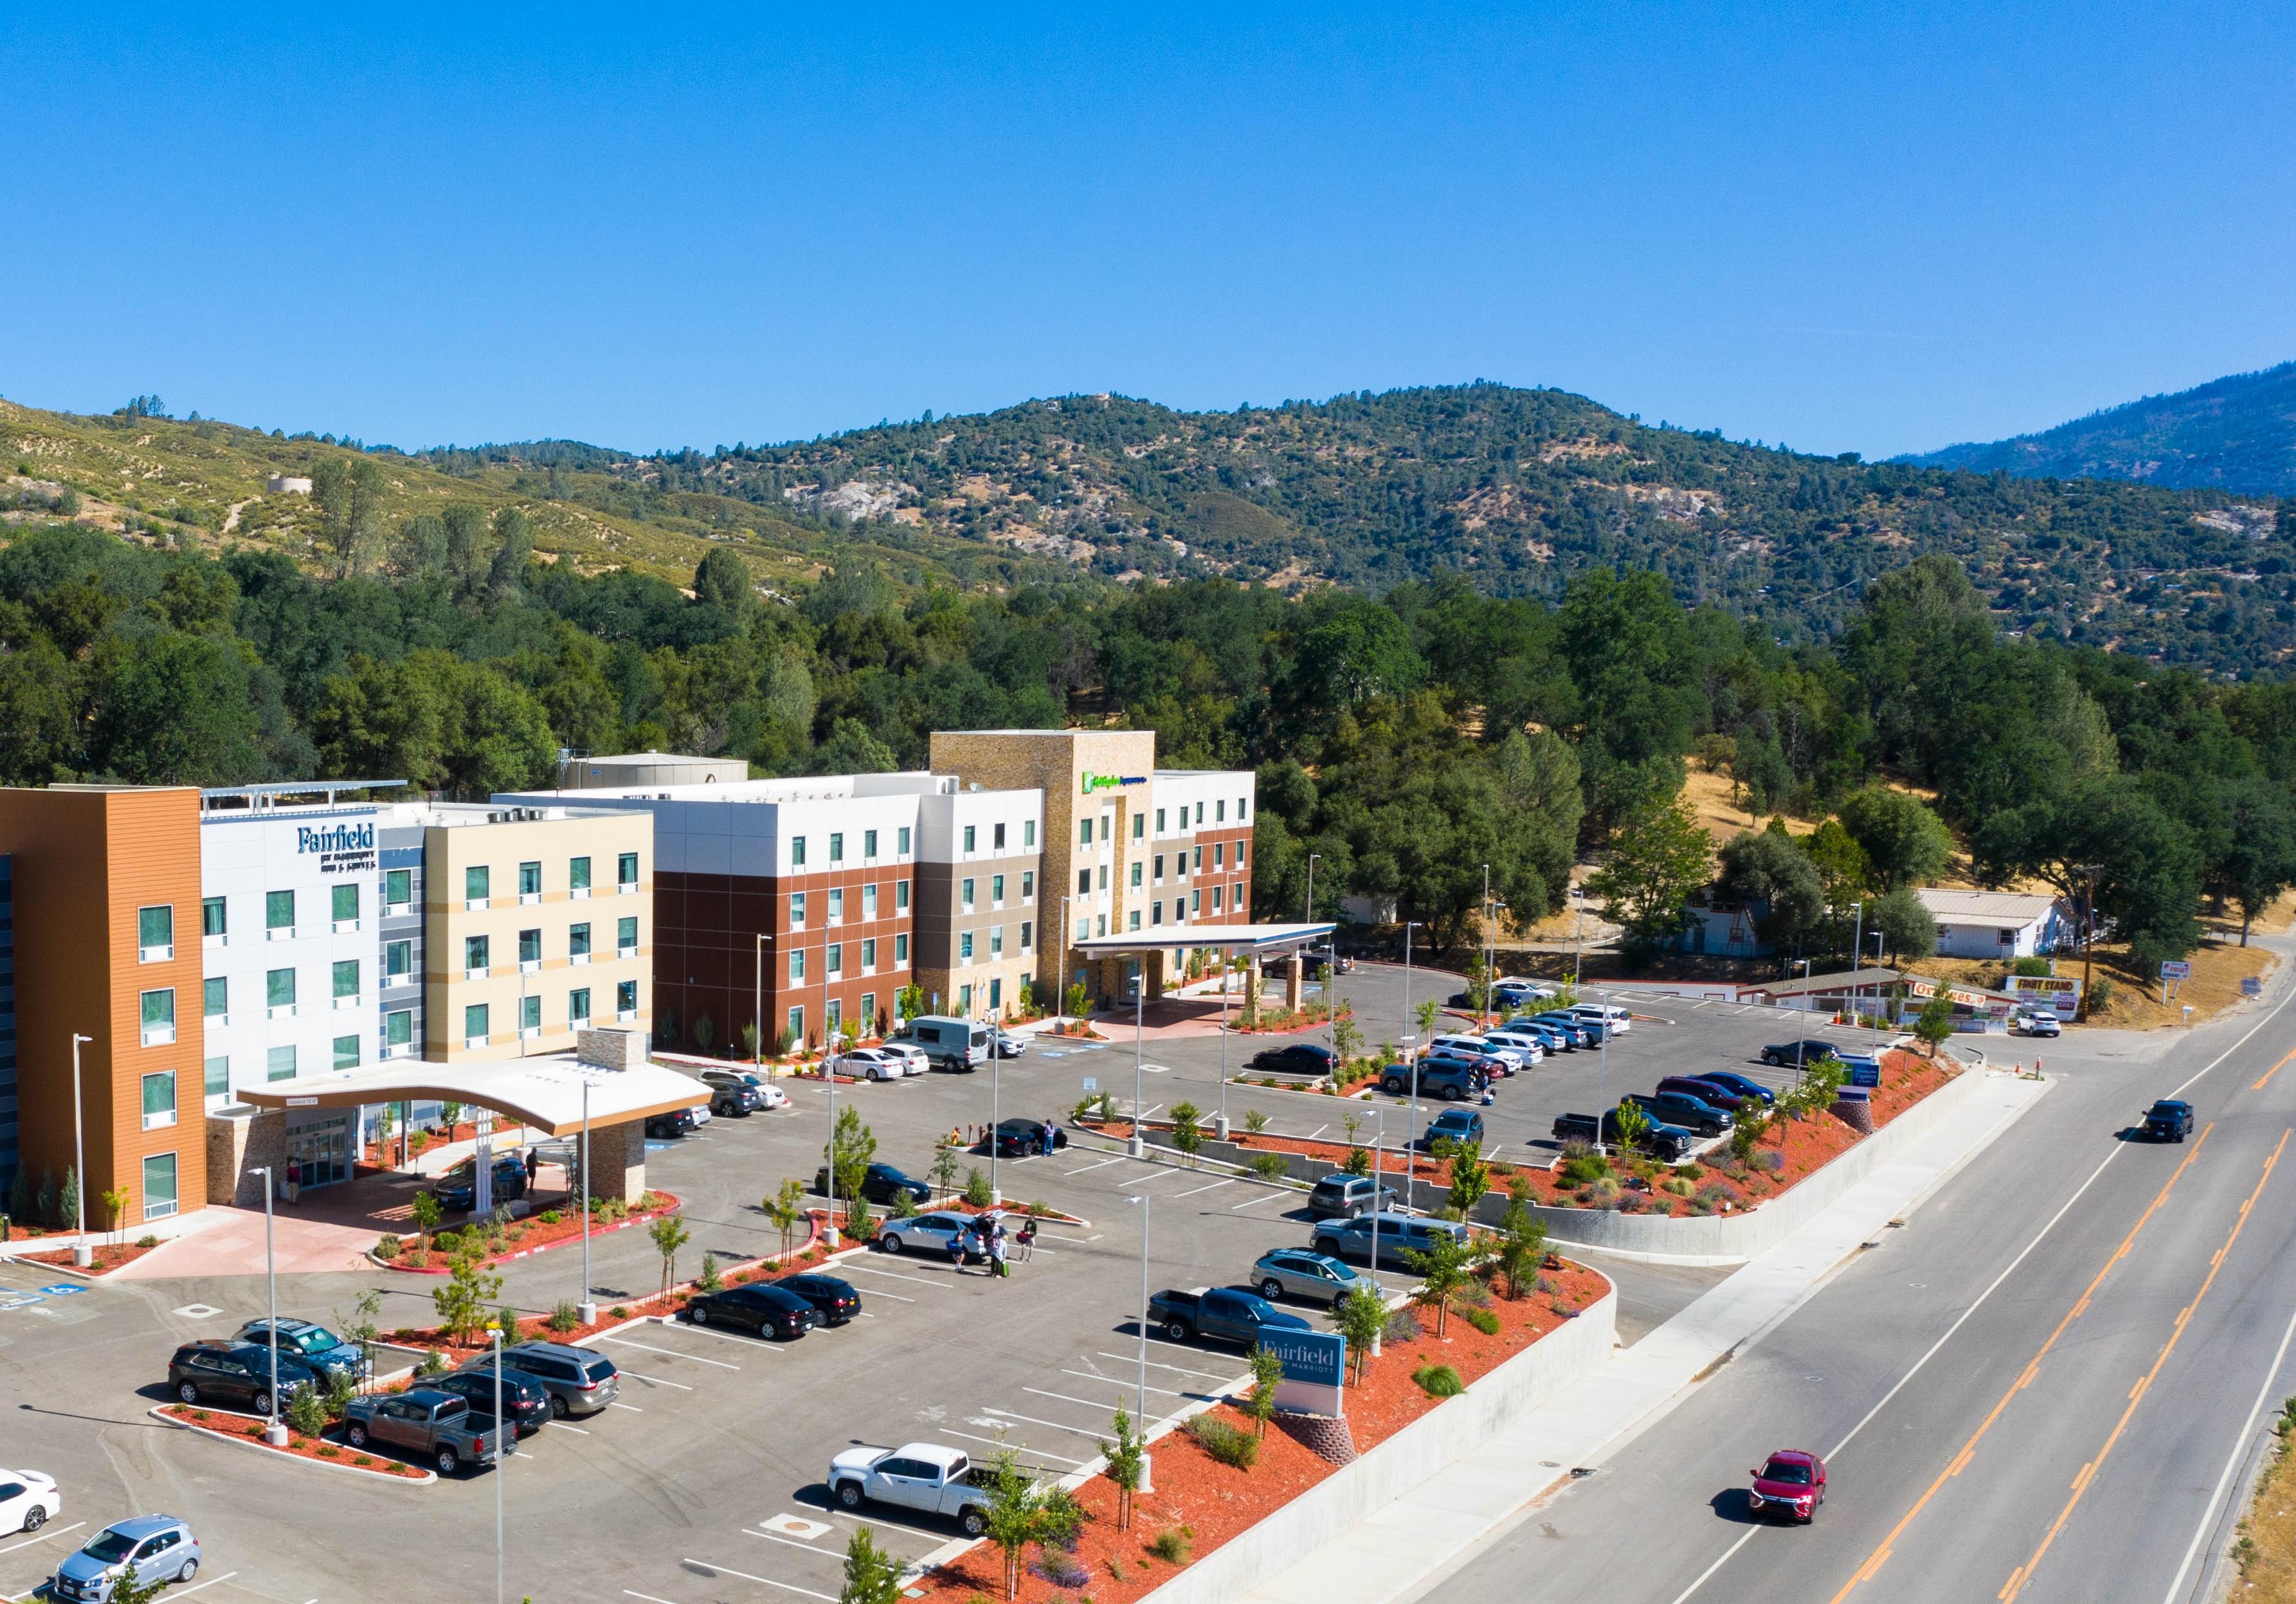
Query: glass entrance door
[(319, 1151)]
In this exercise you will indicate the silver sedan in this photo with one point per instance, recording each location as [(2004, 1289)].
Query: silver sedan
[(1309, 1277)]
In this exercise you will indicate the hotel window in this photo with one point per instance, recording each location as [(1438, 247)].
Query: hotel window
[(797, 1025), (1134, 919), (1028, 930), (530, 951), (1195, 902), (869, 901), (218, 1076), (578, 944), (1159, 820), (1101, 919), (837, 906), (1242, 808), (1084, 882), (797, 852), (626, 999), (625, 937), (215, 998), (279, 1064), (529, 882), (868, 844), (997, 942), (797, 910), (279, 914), (1027, 885), (1216, 898), (577, 876), (212, 924), (1239, 854), (347, 981), (399, 1030), (626, 874), (1135, 874), (902, 836), (398, 963), (345, 913), (797, 966), (996, 890), (1198, 860), (155, 933), (900, 897), (1103, 877), (475, 1024), (964, 947), (1156, 914), (397, 890), (159, 1186), (964, 896), (834, 958), (529, 1017), (1083, 930), (475, 956), (868, 1007), (1219, 810), (1219, 854), (1159, 868), (158, 1100), (900, 950), (964, 1000), (968, 831), (347, 1052), (577, 1007), (1084, 833), (1028, 832), (1139, 825), (836, 1011), (869, 958), (836, 845), (996, 837), (477, 883), (279, 991)]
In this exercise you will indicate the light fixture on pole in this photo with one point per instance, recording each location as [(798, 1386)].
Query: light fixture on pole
[(1857, 947), (585, 1306), (829, 1235), (1145, 1485), (1411, 1040), (1138, 1146), (996, 1118), (274, 1432), (758, 1007), (82, 1255), (1803, 963)]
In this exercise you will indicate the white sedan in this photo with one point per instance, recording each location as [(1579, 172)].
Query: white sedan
[(873, 1063), (28, 1500)]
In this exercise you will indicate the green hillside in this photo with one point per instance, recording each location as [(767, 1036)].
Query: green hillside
[(2236, 434)]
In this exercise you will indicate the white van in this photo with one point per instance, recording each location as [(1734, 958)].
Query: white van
[(1611, 1015), (1513, 1056), (950, 1043)]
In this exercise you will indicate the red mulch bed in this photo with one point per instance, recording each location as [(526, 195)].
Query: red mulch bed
[(534, 1239), (250, 1426), (1219, 1502), (107, 1258)]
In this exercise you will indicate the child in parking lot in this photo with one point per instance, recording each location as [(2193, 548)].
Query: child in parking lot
[(1024, 1241), (956, 1251)]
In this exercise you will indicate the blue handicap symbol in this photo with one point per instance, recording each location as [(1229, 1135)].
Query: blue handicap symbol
[(63, 1290)]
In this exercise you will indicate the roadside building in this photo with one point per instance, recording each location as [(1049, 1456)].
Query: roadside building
[(1719, 927), (1997, 924)]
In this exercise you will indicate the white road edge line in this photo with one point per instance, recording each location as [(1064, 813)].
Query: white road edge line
[(2240, 1450)]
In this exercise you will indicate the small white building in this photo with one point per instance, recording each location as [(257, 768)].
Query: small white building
[(1997, 924), (287, 484)]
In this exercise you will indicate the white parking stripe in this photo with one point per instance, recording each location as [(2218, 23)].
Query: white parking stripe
[(874, 1519), (1118, 1158), (633, 1408), (792, 1541), (562, 1425), (1093, 1432), (1008, 1442), (1057, 1237), (768, 1581), (655, 1381), (1215, 1186), (922, 1281), (1153, 1364), (1088, 1403), (627, 1592), (211, 1581), (1248, 1202), (673, 1352), (749, 1342), (46, 1534), (1090, 1376)]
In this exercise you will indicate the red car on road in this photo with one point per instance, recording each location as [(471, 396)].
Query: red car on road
[(1791, 1484)]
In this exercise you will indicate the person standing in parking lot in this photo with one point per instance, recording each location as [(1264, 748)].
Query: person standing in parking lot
[(998, 1265)]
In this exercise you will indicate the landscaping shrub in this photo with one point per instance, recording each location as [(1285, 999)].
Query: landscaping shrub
[(1482, 1319), (306, 1413), (1224, 1442), (1270, 1167), (1713, 1193), (1173, 1544), (1439, 1381), (1039, 1209), (387, 1248), (710, 1281), (1060, 1570), (434, 1363), (147, 1240), (976, 1188), (1679, 1185), (1580, 1171), (1402, 1325), (1060, 1521), (1771, 1161), (549, 1216), (1632, 1202), (618, 1313), (329, 1451)]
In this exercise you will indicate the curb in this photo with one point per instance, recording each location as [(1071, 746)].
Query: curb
[(506, 1258), (420, 1478)]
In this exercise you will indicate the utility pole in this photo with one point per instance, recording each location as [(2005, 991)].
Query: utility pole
[(1307, 913), (2088, 936)]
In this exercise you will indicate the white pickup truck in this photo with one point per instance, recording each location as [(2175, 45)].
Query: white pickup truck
[(924, 1477)]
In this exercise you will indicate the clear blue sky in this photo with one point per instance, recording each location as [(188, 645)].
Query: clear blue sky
[(1879, 228)]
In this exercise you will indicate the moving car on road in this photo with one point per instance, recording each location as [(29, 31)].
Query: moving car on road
[(1310, 1277), (2169, 1120), (761, 1307), (1219, 1314), (924, 1476), (161, 1548), (28, 1500), (2038, 1022), (429, 1424), (1791, 1483)]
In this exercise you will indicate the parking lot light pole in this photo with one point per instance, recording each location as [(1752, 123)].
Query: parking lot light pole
[(1800, 1034), (829, 1236), (500, 1469), (1857, 948), (1410, 1168), (1875, 1027), (1308, 912), (996, 1112), (1225, 957), (758, 1007), (274, 1433), (1061, 985), (585, 1306), (1378, 1146), (82, 1253), (1138, 1146), (1141, 1199)]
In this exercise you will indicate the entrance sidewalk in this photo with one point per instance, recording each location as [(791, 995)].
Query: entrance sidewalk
[(1399, 1548)]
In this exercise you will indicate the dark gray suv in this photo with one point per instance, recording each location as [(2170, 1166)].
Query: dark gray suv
[(1398, 1234), (579, 1380)]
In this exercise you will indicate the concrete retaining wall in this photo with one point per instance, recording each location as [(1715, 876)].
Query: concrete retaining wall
[(1342, 1501)]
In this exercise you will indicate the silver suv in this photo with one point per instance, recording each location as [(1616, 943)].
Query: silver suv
[(579, 1380), (1310, 1277)]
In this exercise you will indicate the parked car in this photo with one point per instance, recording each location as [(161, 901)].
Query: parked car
[(1789, 1055), (1672, 1108), (2038, 1022), (1454, 1082), (873, 1063), (1002, 1044), (218, 1370), (1576, 1032), (950, 1043), (1344, 1197), (918, 1061), (161, 1548), (1295, 1058), (1463, 1002), (28, 1500), (1791, 1483), (1452, 1125), (1703, 1091), (732, 1099), (880, 1184), (1604, 1016), (760, 1306), (1218, 1313), (835, 1300), (1532, 1048), (314, 1345), (1398, 1234), (2170, 1119), (524, 1400), (1744, 1086), (1476, 1050), (1318, 965), (764, 1095), (1486, 1065), (579, 1380), (427, 1423), (457, 1186), (670, 1125), (1661, 1141), (1311, 1277), (1020, 1138), (1552, 1037), (924, 1476), (1513, 991), (927, 1233)]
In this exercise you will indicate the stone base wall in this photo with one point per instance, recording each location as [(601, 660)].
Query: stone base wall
[(240, 1139)]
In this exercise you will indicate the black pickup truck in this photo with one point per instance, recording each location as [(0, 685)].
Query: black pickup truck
[(2169, 1120)]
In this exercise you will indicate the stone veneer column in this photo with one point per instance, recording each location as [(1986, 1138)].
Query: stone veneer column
[(616, 1160)]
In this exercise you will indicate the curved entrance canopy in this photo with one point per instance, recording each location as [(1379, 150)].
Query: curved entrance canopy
[(542, 1092), (1254, 940)]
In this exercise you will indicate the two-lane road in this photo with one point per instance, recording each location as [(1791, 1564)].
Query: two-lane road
[(2036, 1390)]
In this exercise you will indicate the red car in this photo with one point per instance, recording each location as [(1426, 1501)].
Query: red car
[(1791, 1484)]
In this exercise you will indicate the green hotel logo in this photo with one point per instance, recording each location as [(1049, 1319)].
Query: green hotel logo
[(1093, 783)]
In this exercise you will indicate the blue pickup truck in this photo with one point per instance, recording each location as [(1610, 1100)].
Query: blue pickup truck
[(1219, 1314)]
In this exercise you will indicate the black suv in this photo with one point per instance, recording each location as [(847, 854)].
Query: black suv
[(729, 1097), (1296, 1058), (219, 1372), (312, 1344), (677, 1122), (458, 1189), (760, 1306), (525, 1400), (881, 1184), (1786, 1055)]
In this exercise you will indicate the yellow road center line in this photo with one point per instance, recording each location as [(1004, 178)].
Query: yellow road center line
[(2268, 1074), (2145, 1384), (1865, 1572)]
